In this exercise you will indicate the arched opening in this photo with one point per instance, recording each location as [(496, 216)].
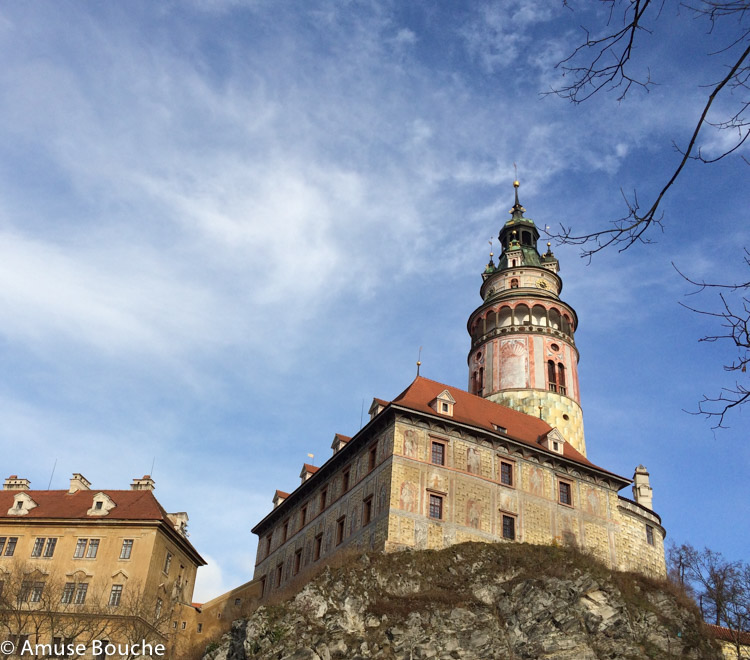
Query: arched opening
[(554, 318), (480, 382), (551, 376), (504, 317), (522, 315), (491, 322), (539, 315), (561, 377), (566, 327)]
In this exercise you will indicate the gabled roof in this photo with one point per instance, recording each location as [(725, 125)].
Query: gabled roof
[(129, 505), (476, 411)]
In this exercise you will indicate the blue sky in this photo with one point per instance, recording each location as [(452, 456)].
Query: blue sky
[(225, 225)]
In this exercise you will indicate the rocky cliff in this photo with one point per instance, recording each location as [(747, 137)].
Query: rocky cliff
[(474, 600)]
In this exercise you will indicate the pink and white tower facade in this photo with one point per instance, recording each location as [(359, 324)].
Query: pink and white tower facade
[(523, 353)]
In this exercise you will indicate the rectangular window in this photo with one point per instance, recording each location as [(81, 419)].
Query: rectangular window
[(650, 534), (36, 551), (61, 643), (506, 473), (67, 594), (93, 548), (566, 493), (340, 523), (438, 453), (279, 569), (80, 548), (373, 457), (262, 587), (237, 602), (2, 543), (345, 481), (127, 549), (297, 561), (303, 517), (36, 592), (367, 511), (10, 548), (436, 507), (323, 498), (183, 625), (200, 628), (81, 590), (115, 596), (317, 547), (285, 531), (509, 528), (167, 563), (49, 548), (268, 544)]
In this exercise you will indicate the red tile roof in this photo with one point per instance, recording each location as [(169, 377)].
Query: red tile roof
[(309, 468), (343, 438), (729, 635), (281, 493), (476, 411), (130, 505)]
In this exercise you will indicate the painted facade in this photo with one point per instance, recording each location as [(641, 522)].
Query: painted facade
[(504, 461)]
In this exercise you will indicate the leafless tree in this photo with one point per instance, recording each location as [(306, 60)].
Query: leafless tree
[(603, 62), (721, 587)]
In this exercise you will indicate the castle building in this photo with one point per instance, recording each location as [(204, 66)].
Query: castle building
[(84, 564), (504, 461)]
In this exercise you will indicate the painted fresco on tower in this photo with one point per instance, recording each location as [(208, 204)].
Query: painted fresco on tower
[(473, 460), (410, 443), (514, 364), (408, 499)]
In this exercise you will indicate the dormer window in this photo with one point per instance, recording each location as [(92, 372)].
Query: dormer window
[(22, 504), (19, 505), (443, 403), (101, 505), (553, 441)]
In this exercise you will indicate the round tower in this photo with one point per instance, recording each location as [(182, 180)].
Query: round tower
[(523, 354)]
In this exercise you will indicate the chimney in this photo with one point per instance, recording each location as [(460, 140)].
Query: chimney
[(180, 522), (642, 491), (145, 483), (79, 482), (14, 483)]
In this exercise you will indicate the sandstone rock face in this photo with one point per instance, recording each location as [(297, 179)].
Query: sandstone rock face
[(473, 601)]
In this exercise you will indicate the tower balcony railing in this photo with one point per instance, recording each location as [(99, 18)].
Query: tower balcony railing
[(496, 332), (554, 387)]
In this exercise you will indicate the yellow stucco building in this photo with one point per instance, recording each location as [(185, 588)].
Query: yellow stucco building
[(504, 461), (83, 564)]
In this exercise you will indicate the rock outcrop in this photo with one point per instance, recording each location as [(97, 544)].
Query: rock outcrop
[(474, 600)]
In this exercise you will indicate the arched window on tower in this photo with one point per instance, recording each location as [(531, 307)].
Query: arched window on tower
[(561, 377), (474, 382), (551, 376), (480, 389)]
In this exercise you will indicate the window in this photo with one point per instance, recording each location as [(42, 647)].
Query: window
[(115, 596), (561, 377), (345, 481), (167, 563), (323, 498), (262, 588), (444, 406), (506, 473), (59, 645), (93, 548), (268, 544), (438, 453), (297, 561), (509, 528), (98, 505), (237, 602), (49, 548), (279, 569), (650, 534), (551, 376), (566, 493), (10, 548), (200, 628), (81, 589), (80, 548), (317, 547), (19, 505), (36, 551), (31, 592), (555, 445), (127, 548), (373, 457), (285, 531), (67, 594), (184, 625), (303, 517), (340, 530), (436, 507), (367, 511), (103, 654), (174, 625)]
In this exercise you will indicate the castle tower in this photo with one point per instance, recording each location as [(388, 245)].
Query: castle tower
[(523, 354)]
